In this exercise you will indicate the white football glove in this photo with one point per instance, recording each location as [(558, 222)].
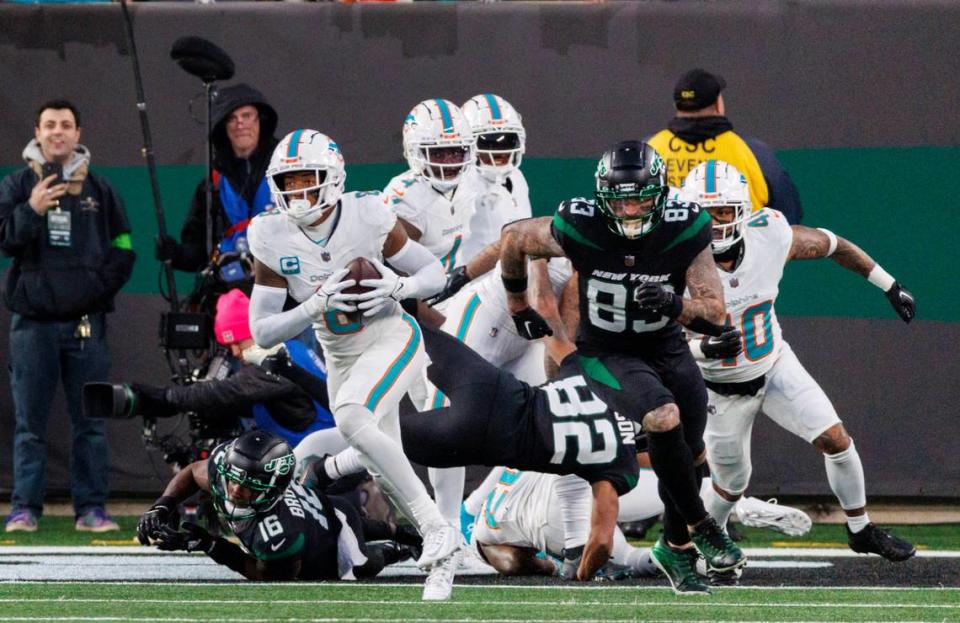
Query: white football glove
[(256, 354), (330, 297), (389, 286)]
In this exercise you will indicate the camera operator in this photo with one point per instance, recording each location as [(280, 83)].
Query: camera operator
[(243, 139), (270, 402)]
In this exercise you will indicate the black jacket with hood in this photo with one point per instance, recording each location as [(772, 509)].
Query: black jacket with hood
[(244, 175), (47, 282)]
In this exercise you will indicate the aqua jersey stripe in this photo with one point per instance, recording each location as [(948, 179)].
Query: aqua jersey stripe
[(495, 113), (294, 147), (465, 321), (692, 230), (450, 259), (445, 115), (711, 180), (397, 367)]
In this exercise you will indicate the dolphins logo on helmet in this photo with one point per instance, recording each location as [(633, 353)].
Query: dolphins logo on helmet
[(714, 185), (314, 152)]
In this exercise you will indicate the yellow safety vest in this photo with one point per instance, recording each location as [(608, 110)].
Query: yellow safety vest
[(682, 157)]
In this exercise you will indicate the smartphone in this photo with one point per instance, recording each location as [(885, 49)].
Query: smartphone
[(51, 168)]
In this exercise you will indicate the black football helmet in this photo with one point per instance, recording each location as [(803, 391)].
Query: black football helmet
[(632, 170), (258, 461)]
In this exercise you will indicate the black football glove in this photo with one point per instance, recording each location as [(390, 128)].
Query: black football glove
[(654, 299), (727, 345), (531, 325), (455, 282), (902, 302), (167, 249), (189, 538), (163, 513)]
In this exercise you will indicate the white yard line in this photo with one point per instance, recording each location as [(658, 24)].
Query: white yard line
[(393, 620)]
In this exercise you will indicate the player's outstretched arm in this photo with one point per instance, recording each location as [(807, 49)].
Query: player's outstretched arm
[(810, 244), (482, 263), (163, 513), (599, 547), (518, 241)]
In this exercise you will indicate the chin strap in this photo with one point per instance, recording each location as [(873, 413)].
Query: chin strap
[(733, 253)]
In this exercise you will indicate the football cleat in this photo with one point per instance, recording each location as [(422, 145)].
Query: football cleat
[(679, 565), (874, 540), (720, 552), (439, 583), (439, 541), (756, 513)]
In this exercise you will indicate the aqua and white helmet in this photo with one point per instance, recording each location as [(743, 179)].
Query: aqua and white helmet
[(498, 128), (716, 184), (438, 143), (307, 150)]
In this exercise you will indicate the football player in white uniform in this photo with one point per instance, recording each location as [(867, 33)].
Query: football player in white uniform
[(373, 350), (750, 251)]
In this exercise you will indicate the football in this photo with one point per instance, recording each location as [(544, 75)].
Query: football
[(360, 268)]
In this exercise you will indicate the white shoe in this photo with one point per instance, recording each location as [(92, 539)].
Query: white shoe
[(756, 513), (439, 583), (439, 541)]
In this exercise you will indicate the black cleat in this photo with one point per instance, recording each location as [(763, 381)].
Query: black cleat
[(715, 546), (735, 535), (874, 540)]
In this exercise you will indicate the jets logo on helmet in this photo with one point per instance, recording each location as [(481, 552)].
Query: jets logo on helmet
[(438, 143), (313, 153), (631, 188), (498, 129), (722, 190), (250, 474)]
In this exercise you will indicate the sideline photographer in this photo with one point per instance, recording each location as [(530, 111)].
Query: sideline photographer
[(248, 392)]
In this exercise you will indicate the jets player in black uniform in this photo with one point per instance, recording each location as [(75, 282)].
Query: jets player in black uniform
[(635, 253), (287, 531)]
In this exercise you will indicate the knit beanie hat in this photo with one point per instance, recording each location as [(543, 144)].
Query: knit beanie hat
[(232, 323)]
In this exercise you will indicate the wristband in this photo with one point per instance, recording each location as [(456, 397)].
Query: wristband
[(833, 240), (226, 553), (167, 502), (881, 278), (516, 285)]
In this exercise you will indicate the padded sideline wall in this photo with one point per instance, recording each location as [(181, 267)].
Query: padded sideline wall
[(858, 97)]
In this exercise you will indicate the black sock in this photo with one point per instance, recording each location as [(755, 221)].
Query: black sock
[(674, 527), (672, 462)]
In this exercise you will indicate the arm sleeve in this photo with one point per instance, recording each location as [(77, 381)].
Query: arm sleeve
[(247, 387), (575, 497), (19, 224), (426, 272), (784, 195), (269, 324)]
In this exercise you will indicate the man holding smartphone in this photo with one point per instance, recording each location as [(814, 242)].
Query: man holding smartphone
[(68, 235)]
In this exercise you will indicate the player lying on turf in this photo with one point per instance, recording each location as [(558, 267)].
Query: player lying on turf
[(287, 531), (751, 250)]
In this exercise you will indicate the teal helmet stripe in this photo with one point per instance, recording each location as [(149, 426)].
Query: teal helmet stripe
[(494, 106), (294, 147), (711, 176), (445, 115)]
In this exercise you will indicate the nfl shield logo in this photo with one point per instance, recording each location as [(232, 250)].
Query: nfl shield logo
[(325, 256), (734, 282), (629, 260)]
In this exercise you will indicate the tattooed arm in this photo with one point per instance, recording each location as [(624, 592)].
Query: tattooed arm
[(810, 244), (706, 291), (518, 241)]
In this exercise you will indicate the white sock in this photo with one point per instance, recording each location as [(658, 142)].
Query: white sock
[(643, 501), (636, 557), (845, 475), (858, 522), (343, 464), (717, 506), (576, 504), (448, 492), (384, 458), (475, 500)]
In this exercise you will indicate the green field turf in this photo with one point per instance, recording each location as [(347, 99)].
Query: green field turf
[(59, 531), (246, 603)]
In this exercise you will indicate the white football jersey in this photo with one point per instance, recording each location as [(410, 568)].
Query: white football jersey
[(517, 510), (750, 292), (360, 229), (495, 205), (442, 221)]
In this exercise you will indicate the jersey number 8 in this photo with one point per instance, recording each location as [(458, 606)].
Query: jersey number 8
[(607, 306), (576, 418)]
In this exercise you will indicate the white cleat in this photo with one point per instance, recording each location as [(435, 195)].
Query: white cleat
[(756, 513), (439, 583), (439, 541)]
